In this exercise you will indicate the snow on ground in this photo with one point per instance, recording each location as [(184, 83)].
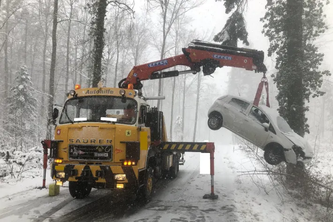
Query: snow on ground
[(243, 195)]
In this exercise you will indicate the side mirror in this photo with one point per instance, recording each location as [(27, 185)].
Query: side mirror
[(266, 126), (55, 113), (143, 114)]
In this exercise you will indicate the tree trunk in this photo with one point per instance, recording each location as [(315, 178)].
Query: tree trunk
[(116, 66), (68, 46), (53, 63), (295, 103), (174, 83), (83, 51), (99, 42), (90, 75), (197, 108), (172, 105), (26, 41), (117, 52), (6, 53), (183, 109), (160, 81), (75, 62), (33, 52), (46, 31)]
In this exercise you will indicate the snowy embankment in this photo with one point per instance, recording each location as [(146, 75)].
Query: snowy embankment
[(244, 195)]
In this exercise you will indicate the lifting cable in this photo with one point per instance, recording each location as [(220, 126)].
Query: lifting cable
[(263, 82)]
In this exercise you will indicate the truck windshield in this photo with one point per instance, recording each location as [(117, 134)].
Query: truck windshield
[(99, 109)]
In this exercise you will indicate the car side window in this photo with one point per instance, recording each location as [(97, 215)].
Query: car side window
[(258, 115), (239, 104)]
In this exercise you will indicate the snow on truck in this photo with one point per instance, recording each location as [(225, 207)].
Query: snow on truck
[(112, 138)]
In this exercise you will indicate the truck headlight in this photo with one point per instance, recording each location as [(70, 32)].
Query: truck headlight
[(60, 175), (120, 177)]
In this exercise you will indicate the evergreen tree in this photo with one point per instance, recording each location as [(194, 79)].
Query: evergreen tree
[(22, 110), (292, 26), (235, 27)]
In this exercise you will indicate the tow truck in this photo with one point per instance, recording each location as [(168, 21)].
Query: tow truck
[(111, 138)]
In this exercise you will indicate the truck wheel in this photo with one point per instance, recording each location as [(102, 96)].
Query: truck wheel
[(215, 121), (274, 154), (148, 185), (79, 190)]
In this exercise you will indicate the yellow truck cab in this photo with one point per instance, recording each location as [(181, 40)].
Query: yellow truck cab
[(109, 138)]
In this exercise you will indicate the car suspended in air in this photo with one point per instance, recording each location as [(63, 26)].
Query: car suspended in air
[(263, 127)]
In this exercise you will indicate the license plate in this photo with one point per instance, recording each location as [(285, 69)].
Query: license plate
[(101, 154)]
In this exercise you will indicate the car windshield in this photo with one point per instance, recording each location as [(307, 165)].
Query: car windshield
[(99, 109), (283, 125)]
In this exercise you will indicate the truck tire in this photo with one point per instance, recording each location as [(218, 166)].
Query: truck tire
[(79, 190), (148, 185)]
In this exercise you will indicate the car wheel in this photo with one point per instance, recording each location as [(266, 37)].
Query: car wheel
[(274, 154), (215, 121)]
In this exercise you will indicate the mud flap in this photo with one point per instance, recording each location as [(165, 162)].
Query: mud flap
[(181, 159)]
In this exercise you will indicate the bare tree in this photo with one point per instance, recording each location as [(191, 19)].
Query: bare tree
[(44, 18), (53, 61), (71, 5), (170, 11), (137, 39)]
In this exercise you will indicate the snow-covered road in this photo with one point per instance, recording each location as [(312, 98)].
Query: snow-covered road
[(241, 197)]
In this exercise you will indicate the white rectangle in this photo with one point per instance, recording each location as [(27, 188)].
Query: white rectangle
[(204, 163), (80, 119), (100, 154), (110, 119)]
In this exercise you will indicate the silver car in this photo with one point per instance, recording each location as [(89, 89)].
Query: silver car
[(263, 127)]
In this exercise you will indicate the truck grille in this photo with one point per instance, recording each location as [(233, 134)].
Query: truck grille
[(90, 152)]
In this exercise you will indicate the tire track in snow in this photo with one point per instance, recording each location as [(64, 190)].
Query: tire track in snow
[(181, 199), (26, 207)]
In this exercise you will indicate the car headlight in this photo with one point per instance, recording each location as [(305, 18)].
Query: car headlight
[(299, 151), (120, 177)]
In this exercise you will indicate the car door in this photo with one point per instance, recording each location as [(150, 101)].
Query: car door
[(235, 111), (253, 128)]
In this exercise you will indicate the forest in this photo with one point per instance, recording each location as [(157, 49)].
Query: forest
[(137, 32)]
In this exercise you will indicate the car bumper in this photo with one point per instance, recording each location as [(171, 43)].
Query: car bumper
[(305, 160)]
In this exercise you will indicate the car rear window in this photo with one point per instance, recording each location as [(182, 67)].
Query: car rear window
[(239, 104)]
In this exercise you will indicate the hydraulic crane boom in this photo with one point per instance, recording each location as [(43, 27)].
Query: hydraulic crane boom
[(198, 54)]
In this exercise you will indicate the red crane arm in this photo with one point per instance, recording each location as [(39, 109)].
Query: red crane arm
[(199, 54)]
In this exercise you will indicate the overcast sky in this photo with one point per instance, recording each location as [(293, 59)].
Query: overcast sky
[(209, 19)]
